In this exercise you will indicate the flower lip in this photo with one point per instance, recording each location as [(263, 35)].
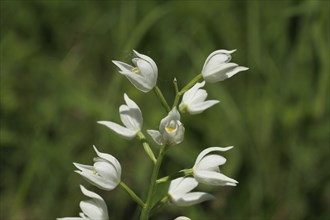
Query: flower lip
[(171, 130)]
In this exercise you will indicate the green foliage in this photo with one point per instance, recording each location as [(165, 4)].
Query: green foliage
[(57, 80)]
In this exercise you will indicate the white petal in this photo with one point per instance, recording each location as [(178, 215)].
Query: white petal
[(236, 70), (130, 103), (193, 198), (189, 95), (72, 218), (172, 115), (182, 218), (84, 168), (91, 209), (200, 107), (124, 67), (89, 193), (138, 81), (107, 171), (219, 72), (210, 161), (213, 178), (209, 150), (131, 117), (147, 71), (124, 132), (156, 136), (111, 160), (179, 136), (199, 97), (181, 186), (98, 201), (148, 59), (97, 180), (216, 58)]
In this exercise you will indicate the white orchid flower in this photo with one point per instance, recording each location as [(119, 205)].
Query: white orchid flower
[(206, 169), (180, 195), (143, 75), (193, 100), (217, 67), (171, 130), (93, 209), (131, 116), (105, 173), (182, 218)]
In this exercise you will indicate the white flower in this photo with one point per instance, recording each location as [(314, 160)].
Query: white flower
[(171, 130), (180, 195), (217, 67), (194, 100), (206, 168), (105, 173), (182, 218), (131, 116), (93, 209), (144, 75)]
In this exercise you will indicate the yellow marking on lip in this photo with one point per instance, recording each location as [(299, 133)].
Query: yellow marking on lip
[(94, 171), (169, 129), (135, 70)]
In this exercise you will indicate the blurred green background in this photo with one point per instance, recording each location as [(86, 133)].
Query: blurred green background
[(57, 80)]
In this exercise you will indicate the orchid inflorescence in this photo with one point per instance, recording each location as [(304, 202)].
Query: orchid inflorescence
[(106, 171)]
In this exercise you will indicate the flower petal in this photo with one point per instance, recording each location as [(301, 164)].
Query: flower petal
[(200, 107), (72, 218), (209, 150), (181, 186), (148, 59), (216, 58), (130, 103), (124, 67), (97, 180), (124, 132), (210, 161), (156, 136), (107, 171), (189, 95), (138, 81), (173, 115), (193, 198), (101, 212), (131, 118), (111, 160), (236, 70), (182, 218), (213, 178)]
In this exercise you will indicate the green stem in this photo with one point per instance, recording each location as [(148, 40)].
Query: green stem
[(159, 204), (162, 99), (172, 176), (184, 89), (132, 194), (148, 205), (146, 146)]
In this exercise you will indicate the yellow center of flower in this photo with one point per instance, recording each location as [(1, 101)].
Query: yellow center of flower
[(169, 129), (135, 70), (94, 171), (171, 126)]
